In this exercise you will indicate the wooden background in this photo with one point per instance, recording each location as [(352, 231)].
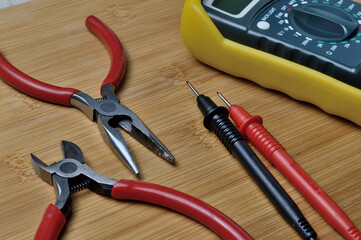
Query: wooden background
[(49, 41)]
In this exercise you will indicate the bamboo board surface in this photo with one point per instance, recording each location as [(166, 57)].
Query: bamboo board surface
[(49, 41)]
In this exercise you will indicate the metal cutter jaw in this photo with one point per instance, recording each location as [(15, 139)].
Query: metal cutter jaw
[(110, 114), (70, 175)]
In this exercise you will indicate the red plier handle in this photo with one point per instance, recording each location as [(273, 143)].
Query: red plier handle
[(53, 220), (51, 225), (60, 95)]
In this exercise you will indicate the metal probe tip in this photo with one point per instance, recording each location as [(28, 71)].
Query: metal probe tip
[(224, 99), (195, 91)]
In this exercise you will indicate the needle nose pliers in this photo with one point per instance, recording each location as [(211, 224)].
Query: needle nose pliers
[(107, 112), (72, 174)]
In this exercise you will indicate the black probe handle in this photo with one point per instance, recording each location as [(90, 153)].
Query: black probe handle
[(216, 120)]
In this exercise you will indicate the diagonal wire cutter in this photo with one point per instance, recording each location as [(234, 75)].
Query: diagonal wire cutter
[(107, 111), (72, 174)]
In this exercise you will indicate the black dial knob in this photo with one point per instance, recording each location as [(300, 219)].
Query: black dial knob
[(324, 22)]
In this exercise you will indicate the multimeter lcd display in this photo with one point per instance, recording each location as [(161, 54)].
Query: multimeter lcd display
[(231, 6)]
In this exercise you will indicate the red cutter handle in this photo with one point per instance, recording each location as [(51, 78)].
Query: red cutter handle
[(51, 225), (180, 202), (60, 95)]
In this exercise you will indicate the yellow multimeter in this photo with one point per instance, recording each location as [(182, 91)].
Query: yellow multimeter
[(308, 49)]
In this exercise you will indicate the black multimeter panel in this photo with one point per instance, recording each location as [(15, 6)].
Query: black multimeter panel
[(232, 7), (322, 35)]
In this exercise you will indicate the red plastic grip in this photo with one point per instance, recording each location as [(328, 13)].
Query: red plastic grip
[(114, 47), (33, 87), (182, 203), (318, 198), (51, 225), (273, 151), (61, 95)]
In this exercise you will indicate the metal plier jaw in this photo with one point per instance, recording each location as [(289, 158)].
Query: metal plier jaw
[(71, 174), (109, 115)]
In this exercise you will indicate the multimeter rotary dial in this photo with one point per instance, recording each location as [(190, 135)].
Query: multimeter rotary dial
[(322, 35), (324, 22)]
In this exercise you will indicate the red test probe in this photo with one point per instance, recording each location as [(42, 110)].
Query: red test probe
[(252, 129)]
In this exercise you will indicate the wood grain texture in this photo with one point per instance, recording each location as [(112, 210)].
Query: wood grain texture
[(49, 41)]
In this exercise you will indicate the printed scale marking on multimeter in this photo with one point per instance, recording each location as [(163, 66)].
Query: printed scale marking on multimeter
[(322, 35)]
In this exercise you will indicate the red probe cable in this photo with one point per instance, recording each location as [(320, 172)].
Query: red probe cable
[(252, 129)]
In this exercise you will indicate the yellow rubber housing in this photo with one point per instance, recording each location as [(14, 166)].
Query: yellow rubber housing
[(207, 44)]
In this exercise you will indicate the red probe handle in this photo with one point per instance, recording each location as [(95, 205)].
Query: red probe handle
[(60, 95), (182, 203), (251, 127), (51, 225)]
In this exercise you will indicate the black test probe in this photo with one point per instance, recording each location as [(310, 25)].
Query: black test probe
[(216, 120)]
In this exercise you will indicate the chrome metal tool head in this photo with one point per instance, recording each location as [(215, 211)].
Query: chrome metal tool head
[(109, 115), (71, 174)]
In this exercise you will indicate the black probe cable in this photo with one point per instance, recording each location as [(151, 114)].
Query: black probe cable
[(216, 120)]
